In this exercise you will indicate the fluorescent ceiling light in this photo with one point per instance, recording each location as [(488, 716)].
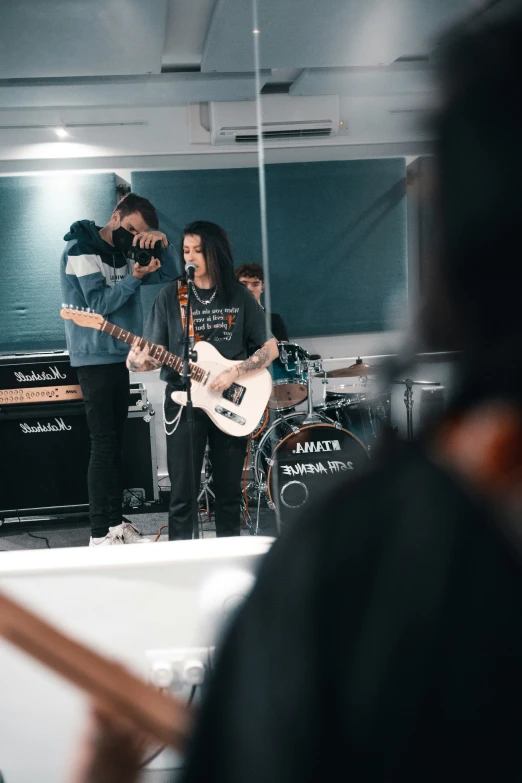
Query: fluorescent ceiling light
[(70, 125)]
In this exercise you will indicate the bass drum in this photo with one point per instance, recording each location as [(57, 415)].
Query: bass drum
[(300, 462)]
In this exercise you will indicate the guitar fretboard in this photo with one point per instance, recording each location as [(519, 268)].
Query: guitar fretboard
[(156, 351)]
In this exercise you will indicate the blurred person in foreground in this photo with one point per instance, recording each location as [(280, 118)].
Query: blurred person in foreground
[(383, 639)]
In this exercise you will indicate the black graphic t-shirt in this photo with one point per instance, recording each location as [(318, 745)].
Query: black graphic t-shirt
[(236, 328)]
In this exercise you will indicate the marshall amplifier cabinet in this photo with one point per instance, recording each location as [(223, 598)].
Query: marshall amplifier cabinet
[(44, 456), (28, 379)]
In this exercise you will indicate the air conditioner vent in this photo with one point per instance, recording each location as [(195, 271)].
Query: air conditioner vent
[(307, 133), (285, 118)]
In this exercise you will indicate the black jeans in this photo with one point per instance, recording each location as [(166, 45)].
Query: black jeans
[(105, 389), (227, 454)]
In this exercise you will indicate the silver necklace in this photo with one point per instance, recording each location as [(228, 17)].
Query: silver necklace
[(202, 301)]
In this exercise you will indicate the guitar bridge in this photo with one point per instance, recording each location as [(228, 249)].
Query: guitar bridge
[(234, 393)]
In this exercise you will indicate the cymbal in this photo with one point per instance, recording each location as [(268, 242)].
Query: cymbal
[(357, 369)]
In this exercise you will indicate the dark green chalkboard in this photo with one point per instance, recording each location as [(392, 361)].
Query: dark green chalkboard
[(337, 234), (36, 212)]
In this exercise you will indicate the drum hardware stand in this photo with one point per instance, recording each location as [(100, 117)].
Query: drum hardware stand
[(205, 490), (325, 384), (259, 491), (262, 491), (408, 401), (310, 368)]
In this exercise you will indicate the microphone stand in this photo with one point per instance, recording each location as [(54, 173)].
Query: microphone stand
[(190, 355)]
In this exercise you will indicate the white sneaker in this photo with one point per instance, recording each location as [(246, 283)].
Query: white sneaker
[(130, 534), (112, 538)]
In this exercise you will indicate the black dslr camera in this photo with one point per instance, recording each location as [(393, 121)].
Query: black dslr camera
[(144, 255)]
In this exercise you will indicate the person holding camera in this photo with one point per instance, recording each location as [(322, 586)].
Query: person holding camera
[(103, 269)]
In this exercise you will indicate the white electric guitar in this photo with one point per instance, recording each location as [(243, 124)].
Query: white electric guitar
[(236, 411)]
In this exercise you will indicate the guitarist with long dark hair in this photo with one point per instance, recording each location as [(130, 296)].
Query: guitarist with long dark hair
[(227, 316)]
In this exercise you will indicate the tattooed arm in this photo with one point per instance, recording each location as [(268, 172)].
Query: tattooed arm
[(261, 358)]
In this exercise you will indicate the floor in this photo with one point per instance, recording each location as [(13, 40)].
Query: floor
[(73, 529)]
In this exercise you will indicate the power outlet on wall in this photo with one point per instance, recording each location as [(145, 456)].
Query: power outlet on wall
[(179, 666)]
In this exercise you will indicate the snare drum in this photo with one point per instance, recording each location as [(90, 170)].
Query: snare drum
[(289, 379), (298, 462)]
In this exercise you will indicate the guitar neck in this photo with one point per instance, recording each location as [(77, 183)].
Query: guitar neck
[(156, 351)]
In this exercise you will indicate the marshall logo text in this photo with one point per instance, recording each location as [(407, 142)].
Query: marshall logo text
[(53, 374), (33, 429)]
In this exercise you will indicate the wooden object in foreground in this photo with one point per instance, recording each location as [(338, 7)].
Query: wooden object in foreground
[(109, 684)]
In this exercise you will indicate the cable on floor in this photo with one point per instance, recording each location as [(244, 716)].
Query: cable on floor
[(42, 538)]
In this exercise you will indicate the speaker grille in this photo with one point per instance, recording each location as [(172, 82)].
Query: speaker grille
[(45, 466)]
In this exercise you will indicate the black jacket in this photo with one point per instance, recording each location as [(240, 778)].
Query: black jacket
[(382, 642)]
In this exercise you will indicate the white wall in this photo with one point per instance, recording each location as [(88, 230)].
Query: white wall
[(123, 603)]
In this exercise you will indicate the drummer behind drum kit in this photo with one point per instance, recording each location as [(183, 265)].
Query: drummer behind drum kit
[(296, 456)]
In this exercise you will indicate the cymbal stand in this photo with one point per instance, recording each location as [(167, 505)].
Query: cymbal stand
[(408, 401)]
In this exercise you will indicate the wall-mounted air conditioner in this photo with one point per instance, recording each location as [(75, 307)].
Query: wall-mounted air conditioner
[(284, 117)]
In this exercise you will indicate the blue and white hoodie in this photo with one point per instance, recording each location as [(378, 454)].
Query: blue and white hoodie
[(96, 275)]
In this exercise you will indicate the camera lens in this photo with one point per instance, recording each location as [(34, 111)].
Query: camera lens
[(143, 257)]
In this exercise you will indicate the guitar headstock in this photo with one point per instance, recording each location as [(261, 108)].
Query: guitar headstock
[(82, 317)]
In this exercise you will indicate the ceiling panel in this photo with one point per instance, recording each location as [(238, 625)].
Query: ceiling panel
[(40, 38), (168, 89), (186, 30), (326, 33)]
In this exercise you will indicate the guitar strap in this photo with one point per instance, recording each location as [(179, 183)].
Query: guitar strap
[(183, 304)]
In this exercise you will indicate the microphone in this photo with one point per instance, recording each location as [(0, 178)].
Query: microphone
[(190, 268)]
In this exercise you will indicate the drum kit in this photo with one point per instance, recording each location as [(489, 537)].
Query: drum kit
[(295, 456)]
